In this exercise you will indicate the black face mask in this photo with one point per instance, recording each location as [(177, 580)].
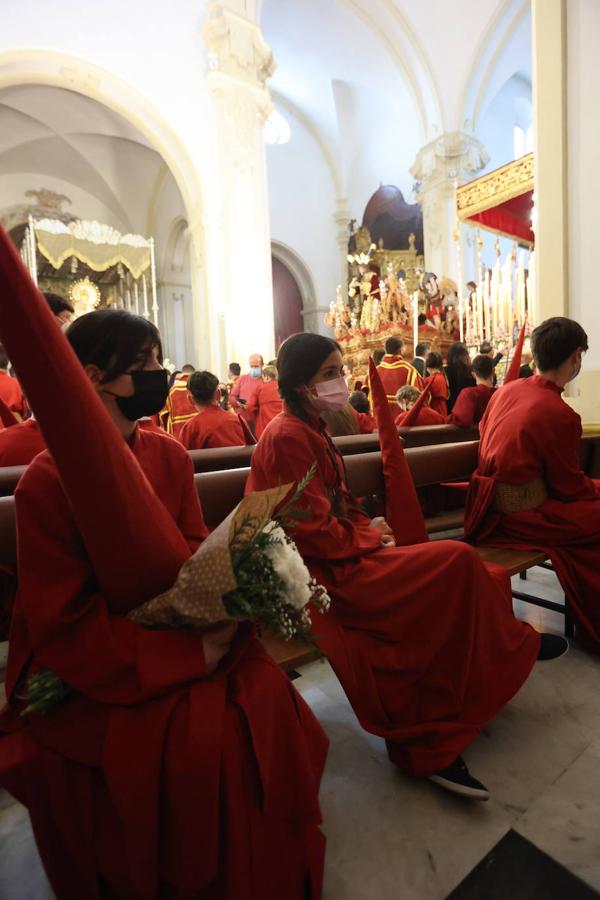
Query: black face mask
[(150, 392)]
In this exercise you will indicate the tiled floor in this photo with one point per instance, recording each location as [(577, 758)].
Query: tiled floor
[(390, 838)]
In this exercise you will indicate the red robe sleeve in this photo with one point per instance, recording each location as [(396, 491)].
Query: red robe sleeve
[(563, 474), (234, 395), (103, 656), (366, 423), (323, 535), (463, 412)]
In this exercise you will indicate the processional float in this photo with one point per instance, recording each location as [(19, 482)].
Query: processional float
[(127, 262)]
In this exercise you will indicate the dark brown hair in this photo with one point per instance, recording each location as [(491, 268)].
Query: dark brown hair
[(113, 340), (483, 366), (299, 359), (394, 345), (203, 386), (553, 342)]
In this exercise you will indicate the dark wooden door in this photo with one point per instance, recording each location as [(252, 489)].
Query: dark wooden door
[(287, 302)]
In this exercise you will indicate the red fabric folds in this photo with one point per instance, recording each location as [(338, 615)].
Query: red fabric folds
[(7, 417), (248, 436), (403, 510), (132, 541), (515, 363)]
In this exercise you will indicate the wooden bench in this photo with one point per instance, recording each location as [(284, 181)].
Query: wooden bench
[(220, 491)]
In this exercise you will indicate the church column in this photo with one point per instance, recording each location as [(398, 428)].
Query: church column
[(448, 161), (240, 288), (549, 104)]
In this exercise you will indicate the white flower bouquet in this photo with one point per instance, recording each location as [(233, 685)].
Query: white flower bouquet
[(248, 568)]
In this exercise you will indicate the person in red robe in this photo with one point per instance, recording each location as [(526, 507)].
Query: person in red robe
[(10, 389), (265, 403), (21, 443), (529, 490), (395, 372), (359, 402), (179, 409), (246, 386), (472, 402), (211, 426), (60, 308), (185, 764), (438, 390), (422, 637), (406, 398)]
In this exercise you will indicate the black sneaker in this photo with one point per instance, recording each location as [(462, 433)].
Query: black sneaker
[(552, 646), (457, 779)]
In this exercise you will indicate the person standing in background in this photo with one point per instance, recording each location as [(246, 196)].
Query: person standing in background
[(265, 403), (421, 351), (246, 386)]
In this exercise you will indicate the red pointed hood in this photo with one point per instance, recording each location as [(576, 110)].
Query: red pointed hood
[(515, 363), (403, 510), (133, 543)]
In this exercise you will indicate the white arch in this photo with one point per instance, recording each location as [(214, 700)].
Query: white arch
[(493, 43), (35, 65), (296, 265)]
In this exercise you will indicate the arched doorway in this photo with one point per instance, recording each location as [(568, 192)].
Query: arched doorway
[(287, 302)]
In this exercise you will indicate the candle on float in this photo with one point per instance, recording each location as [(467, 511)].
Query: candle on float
[(480, 288), (415, 305), (486, 306)]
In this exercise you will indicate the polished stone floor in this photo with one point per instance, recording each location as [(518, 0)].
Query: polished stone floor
[(390, 838)]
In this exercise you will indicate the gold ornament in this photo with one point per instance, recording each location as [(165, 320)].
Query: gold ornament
[(85, 296)]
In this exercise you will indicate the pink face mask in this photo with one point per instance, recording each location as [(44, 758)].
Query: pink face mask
[(331, 395)]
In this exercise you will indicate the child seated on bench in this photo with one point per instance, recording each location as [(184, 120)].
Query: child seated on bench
[(529, 490), (422, 638)]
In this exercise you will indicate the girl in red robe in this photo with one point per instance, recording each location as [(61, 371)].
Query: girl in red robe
[(422, 638), (185, 765), (438, 390)]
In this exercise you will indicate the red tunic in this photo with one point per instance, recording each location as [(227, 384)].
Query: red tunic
[(19, 444), (179, 407), (244, 389), (367, 424), (395, 372), (470, 406), (427, 416), (528, 432), (213, 427), (422, 637), (11, 393), (153, 777), (438, 393), (264, 404)]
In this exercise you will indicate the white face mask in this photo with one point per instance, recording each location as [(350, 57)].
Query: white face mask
[(331, 395)]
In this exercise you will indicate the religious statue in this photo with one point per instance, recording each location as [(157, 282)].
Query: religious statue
[(435, 312), (395, 301)]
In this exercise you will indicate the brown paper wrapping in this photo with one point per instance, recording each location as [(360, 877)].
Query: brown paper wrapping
[(196, 597)]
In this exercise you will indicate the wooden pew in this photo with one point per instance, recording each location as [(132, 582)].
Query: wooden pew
[(220, 491), (224, 458)]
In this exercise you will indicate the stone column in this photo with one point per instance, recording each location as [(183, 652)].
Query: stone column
[(240, 289), (450, 160)]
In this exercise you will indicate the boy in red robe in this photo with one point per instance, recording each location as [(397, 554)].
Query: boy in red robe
[(422, 637), (211, 426), (395, 372), (265, 403), (167, 771), (406, 398), (21, 443), (438, 389), (529, 490), (472, 402)]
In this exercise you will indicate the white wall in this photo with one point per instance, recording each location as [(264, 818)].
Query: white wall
[(302, 204), (583, 78)]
